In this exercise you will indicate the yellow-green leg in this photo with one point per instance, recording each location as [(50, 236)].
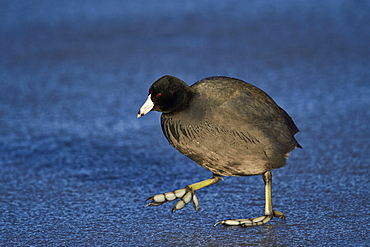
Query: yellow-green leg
[(269, 212), (185, 195)]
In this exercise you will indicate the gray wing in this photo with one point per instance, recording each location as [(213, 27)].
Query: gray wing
[(264, 114)]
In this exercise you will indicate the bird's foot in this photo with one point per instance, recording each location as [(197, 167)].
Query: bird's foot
[(253, 221), (185, 195)]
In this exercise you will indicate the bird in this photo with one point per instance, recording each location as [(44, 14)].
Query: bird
[(227, 126)]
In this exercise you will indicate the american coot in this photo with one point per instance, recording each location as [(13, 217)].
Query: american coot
[(227, 126)]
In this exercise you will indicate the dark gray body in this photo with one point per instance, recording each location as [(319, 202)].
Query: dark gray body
[(238, 131)]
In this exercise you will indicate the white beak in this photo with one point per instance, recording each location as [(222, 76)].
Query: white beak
[(147, 107)]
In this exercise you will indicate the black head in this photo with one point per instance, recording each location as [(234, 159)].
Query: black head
[(166, 95)]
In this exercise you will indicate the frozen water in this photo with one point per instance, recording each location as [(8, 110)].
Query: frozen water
[(77, 165)]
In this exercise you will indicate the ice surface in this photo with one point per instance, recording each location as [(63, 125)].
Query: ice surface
[(77, 165)]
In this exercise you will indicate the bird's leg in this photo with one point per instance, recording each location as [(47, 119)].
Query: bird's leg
[(269, 212), (185, 195)]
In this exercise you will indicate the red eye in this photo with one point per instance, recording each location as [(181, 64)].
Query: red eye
[(158, 94)]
